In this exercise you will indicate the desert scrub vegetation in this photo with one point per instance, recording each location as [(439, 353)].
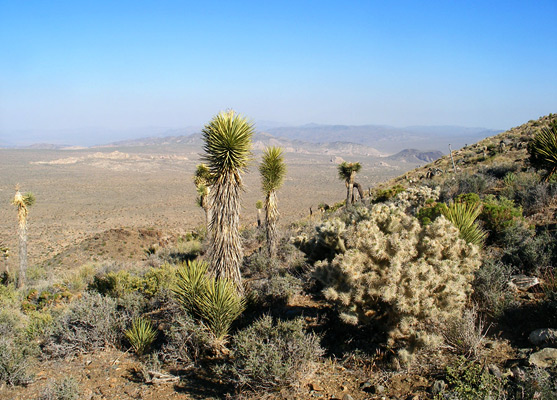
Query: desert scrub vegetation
[(271, 355), (63, 389), (416, 276)]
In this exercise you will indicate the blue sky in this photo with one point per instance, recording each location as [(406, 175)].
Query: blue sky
[(129, 64)]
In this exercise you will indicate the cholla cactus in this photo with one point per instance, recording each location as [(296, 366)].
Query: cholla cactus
[(417, 276), (414, 198)]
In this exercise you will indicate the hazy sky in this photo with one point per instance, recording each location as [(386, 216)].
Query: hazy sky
[(127, 64)]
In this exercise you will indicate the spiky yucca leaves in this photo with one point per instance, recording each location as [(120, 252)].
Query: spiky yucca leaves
[(203, 179), (463, 215), (219, 306), (22, 202), (347, 172), (190, 283), (141, 335), (543, 150), (227, 152), (213, 300), (272, 170)]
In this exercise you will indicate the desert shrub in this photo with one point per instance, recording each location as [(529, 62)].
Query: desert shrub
[(530, 193), (141, 335), (78, 281), (468, 380), (271, 355), (430, 211), (215, 301), (39, 299), (537, 383), (477, 183), (383, 195), (491, 287), (498, 215), (277, 289), (15, 360), (464, 334), (185, 340), (417, 275), (90, 323), (184, 250), (499, 171), (64, 389), (259, 264), (526, 251), (468, 198)]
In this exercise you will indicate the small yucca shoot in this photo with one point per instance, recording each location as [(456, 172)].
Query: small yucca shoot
[(141, 335), (219, 305), (190, 283), (463, 215)]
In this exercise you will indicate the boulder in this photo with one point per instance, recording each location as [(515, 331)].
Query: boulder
[(544, 358), (545, 336)]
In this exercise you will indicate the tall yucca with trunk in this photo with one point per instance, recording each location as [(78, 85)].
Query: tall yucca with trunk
[(203, 179), (273, 170), (543, 150), (227, 152), (347, 172), (22, 202)]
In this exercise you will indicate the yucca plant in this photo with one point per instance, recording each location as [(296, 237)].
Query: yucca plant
[(272, 170), (22, 202), (219, 306), (463, 215), (141, 335), (543, 150), (227, 153), (347, 172), (190, 283), (213, 300), (203, 179)]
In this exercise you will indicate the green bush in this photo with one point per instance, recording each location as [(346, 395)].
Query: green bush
[(499, 214), (383, 195), (268, 355), (428, 213), (468, 380)]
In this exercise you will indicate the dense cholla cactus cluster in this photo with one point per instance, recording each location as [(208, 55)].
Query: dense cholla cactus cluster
[(414, 198), (415, 276)]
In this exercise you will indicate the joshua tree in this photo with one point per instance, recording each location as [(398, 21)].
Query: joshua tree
[(259, 206), (347, 173), (543, 150), (272, 171), (227, 152), (22, 202), (203, 181)]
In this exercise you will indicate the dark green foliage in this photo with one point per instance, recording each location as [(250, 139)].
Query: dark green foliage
[(427, 214), (469, 198), (468, 380), (271, 355), (498, 171), (498, 215), (527, 251), (387, 194)]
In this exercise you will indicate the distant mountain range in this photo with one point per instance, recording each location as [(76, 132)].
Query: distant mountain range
[(373, 140)]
